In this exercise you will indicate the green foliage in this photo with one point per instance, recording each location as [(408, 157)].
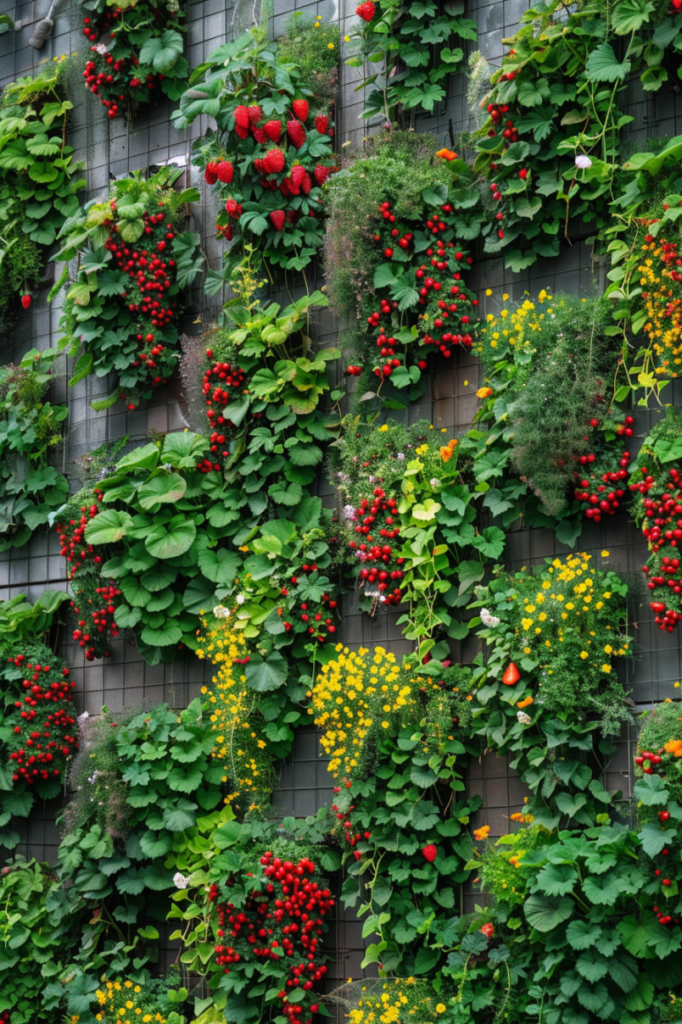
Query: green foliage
[(143, 60), (34, 946), (30, 488), (38, 180), (549, 365), (418, 46), (109, 316), (269, 209), (314, 49)]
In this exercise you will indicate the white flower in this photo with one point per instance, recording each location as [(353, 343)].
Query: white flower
[(102, 49), (83, 717), (180, 881), (221, 612), (240, 599), (523, 718), (434, 482), (582, 162), (348, 512), (488, 619), (92, 778), (400, 456), (371, 479)]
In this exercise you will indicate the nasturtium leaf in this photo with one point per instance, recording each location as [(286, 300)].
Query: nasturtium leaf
[(266, 674), (155, 845), (134, 593), (547, 912), (169, 633)]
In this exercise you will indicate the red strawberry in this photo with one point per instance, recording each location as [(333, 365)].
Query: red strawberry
[(301, 109), (429, 851), (260, 166), (365, 10), (227, 232), (296, 133), (285, 187), (260, 136), (307, 183), (297, 178), (274, 160), (273, 130), (321, 174), (255, 114), (225, 172), (233, 208), (243, 133), (277, 217), (26, 300), (321, 123), (211, 173), (241, 117)]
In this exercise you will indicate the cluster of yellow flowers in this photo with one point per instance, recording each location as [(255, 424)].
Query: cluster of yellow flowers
[(234, 708), (663, 309), (360, 692), (514, 328), (567, 595), (399, 1000), (120, 1001)]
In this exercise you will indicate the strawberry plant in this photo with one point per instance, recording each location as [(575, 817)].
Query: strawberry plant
[(39, 181), (133, 261), (599, 486), (268, 156), (137, 56), (30, 429), (417, 45)]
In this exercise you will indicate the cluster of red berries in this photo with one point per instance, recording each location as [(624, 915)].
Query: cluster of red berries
[(660, 514), (317, 621), (651, 764), (149, 295), (376, 522), (280, 922), (97, 603), (350, 835), (44, 740), (599, 486), (221, 384), (270, 162)]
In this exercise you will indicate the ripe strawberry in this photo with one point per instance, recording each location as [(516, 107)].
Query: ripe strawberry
[(277, 217), (321, 123), (260, 166), (254, 113), (233, 208), (273, 130), (260, 136), (306, 184), (274, 161), (225, 172), (211, 173), (300, 109), (430, 852), (285, 187), (296, 133), (243, 133), (365, 10), (297, 177), (26, 300), (241, 117), (321, 174)]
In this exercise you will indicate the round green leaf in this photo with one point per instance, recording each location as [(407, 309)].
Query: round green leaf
[(168, 488), (171, 540), (107, 527)]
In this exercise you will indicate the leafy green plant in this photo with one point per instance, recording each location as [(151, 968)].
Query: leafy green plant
[(552, 138), (417, 45), (30, 428), (133, 262), (268, 159), (34, 947), (38, 179), (143, 57), (314, 49)]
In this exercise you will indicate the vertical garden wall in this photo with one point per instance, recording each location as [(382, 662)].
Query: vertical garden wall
[(339, 508)]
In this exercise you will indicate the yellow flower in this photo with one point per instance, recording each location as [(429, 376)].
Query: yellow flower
[(484, 392), (441, 1008), (330, 46), (605, 554), (488, 292)]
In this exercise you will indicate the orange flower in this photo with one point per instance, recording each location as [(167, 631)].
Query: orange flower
[(447, 450), (446, 154), (674, 747), (484, 392), (524, 703), (481, 833)]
